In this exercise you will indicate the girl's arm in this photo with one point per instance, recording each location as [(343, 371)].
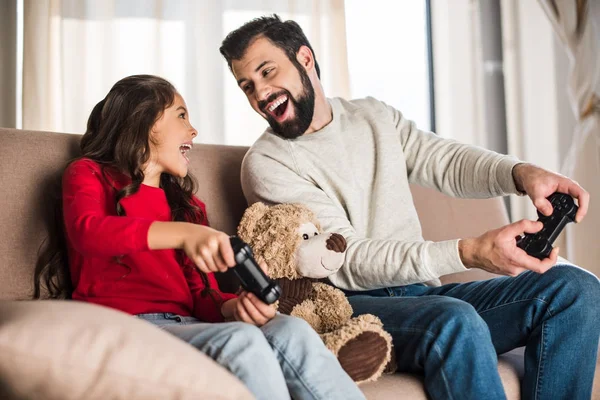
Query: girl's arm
[(89, 227), (207, 306), (93, 231)]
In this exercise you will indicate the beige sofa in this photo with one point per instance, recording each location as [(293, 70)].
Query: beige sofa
[(68, 350)]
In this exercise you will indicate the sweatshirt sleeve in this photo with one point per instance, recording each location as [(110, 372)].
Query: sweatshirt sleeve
[(369, 263), (91, 229), (453, 168)]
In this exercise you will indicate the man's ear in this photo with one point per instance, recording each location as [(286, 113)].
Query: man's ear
[(306, 58)]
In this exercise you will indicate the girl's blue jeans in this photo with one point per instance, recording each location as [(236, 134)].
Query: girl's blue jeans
[(282, 358), (453, 333)]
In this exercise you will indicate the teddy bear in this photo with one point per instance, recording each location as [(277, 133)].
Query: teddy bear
[(300, 256)]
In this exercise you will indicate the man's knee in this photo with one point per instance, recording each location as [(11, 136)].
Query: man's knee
[(459, 317), (578, 287)]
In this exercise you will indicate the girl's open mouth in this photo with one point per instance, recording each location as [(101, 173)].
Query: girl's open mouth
[(184, 149)]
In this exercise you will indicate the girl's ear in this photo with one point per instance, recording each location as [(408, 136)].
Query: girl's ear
[(305, 57)]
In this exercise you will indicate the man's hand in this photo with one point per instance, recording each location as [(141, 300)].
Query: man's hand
[(539, 183), (496, 251)]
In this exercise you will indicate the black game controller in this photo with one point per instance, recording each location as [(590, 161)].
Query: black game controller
[(251, 276), (539, 245)]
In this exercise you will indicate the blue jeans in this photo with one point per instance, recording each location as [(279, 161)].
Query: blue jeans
[(285, 356), (453, 333)]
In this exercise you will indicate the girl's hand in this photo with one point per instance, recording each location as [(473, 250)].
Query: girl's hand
[(249, 308), (209, 249)]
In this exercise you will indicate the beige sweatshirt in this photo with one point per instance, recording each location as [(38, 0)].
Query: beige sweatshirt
[(355, 174)]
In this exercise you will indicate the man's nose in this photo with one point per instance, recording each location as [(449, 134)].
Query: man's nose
[(263, 92)]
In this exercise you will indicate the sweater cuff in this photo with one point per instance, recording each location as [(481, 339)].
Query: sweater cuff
[(227, 296), (210, 310), (504, 176), (224, 297), (142, 234), (444, 259)]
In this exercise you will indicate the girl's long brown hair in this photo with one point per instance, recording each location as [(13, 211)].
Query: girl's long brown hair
[(118, 138)]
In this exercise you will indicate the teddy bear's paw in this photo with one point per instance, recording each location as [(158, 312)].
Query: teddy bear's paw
[(365, 356), (306, 311), (371, 322), (392, 365), (368, 319)]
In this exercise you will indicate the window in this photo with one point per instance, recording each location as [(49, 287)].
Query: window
[(95, 43), (388, 56)]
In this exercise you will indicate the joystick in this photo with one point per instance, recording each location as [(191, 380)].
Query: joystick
[(539, 244), (251, 276)]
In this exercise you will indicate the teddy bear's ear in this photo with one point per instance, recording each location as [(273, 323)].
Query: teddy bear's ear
[(252, 216)]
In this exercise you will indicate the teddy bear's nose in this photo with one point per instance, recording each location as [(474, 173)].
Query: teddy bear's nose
[(337, 243)]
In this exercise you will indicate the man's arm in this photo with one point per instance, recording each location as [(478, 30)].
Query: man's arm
[(369, 263), (468, 171), (453, 168)]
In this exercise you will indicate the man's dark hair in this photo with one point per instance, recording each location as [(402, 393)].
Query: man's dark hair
[(288, 36)]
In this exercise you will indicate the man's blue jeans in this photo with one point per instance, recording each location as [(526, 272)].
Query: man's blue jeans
[(453, 333), (285, 356)]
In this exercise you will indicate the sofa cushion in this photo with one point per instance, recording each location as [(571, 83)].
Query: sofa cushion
[(69, 350), (410, 386), (32, 163), (30, 180)]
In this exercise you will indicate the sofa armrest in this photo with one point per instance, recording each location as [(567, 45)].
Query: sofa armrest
[(443, 218)]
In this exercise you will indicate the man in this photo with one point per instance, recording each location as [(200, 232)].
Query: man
[(352, 162)]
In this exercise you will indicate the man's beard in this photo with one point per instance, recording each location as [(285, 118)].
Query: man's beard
[(304, 109)]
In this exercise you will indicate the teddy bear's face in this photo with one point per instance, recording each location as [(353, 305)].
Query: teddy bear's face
[(313, 258), (289, 238)]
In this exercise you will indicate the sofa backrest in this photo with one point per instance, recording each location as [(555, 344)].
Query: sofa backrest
[(31, 164)]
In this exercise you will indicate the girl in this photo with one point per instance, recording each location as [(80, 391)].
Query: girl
[(136, 239)]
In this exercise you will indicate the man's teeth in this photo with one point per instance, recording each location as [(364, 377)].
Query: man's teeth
[(277, 103)]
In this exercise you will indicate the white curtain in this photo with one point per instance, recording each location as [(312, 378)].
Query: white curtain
[(74, 50), (467, 55), (577, 24), (8, 57)]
